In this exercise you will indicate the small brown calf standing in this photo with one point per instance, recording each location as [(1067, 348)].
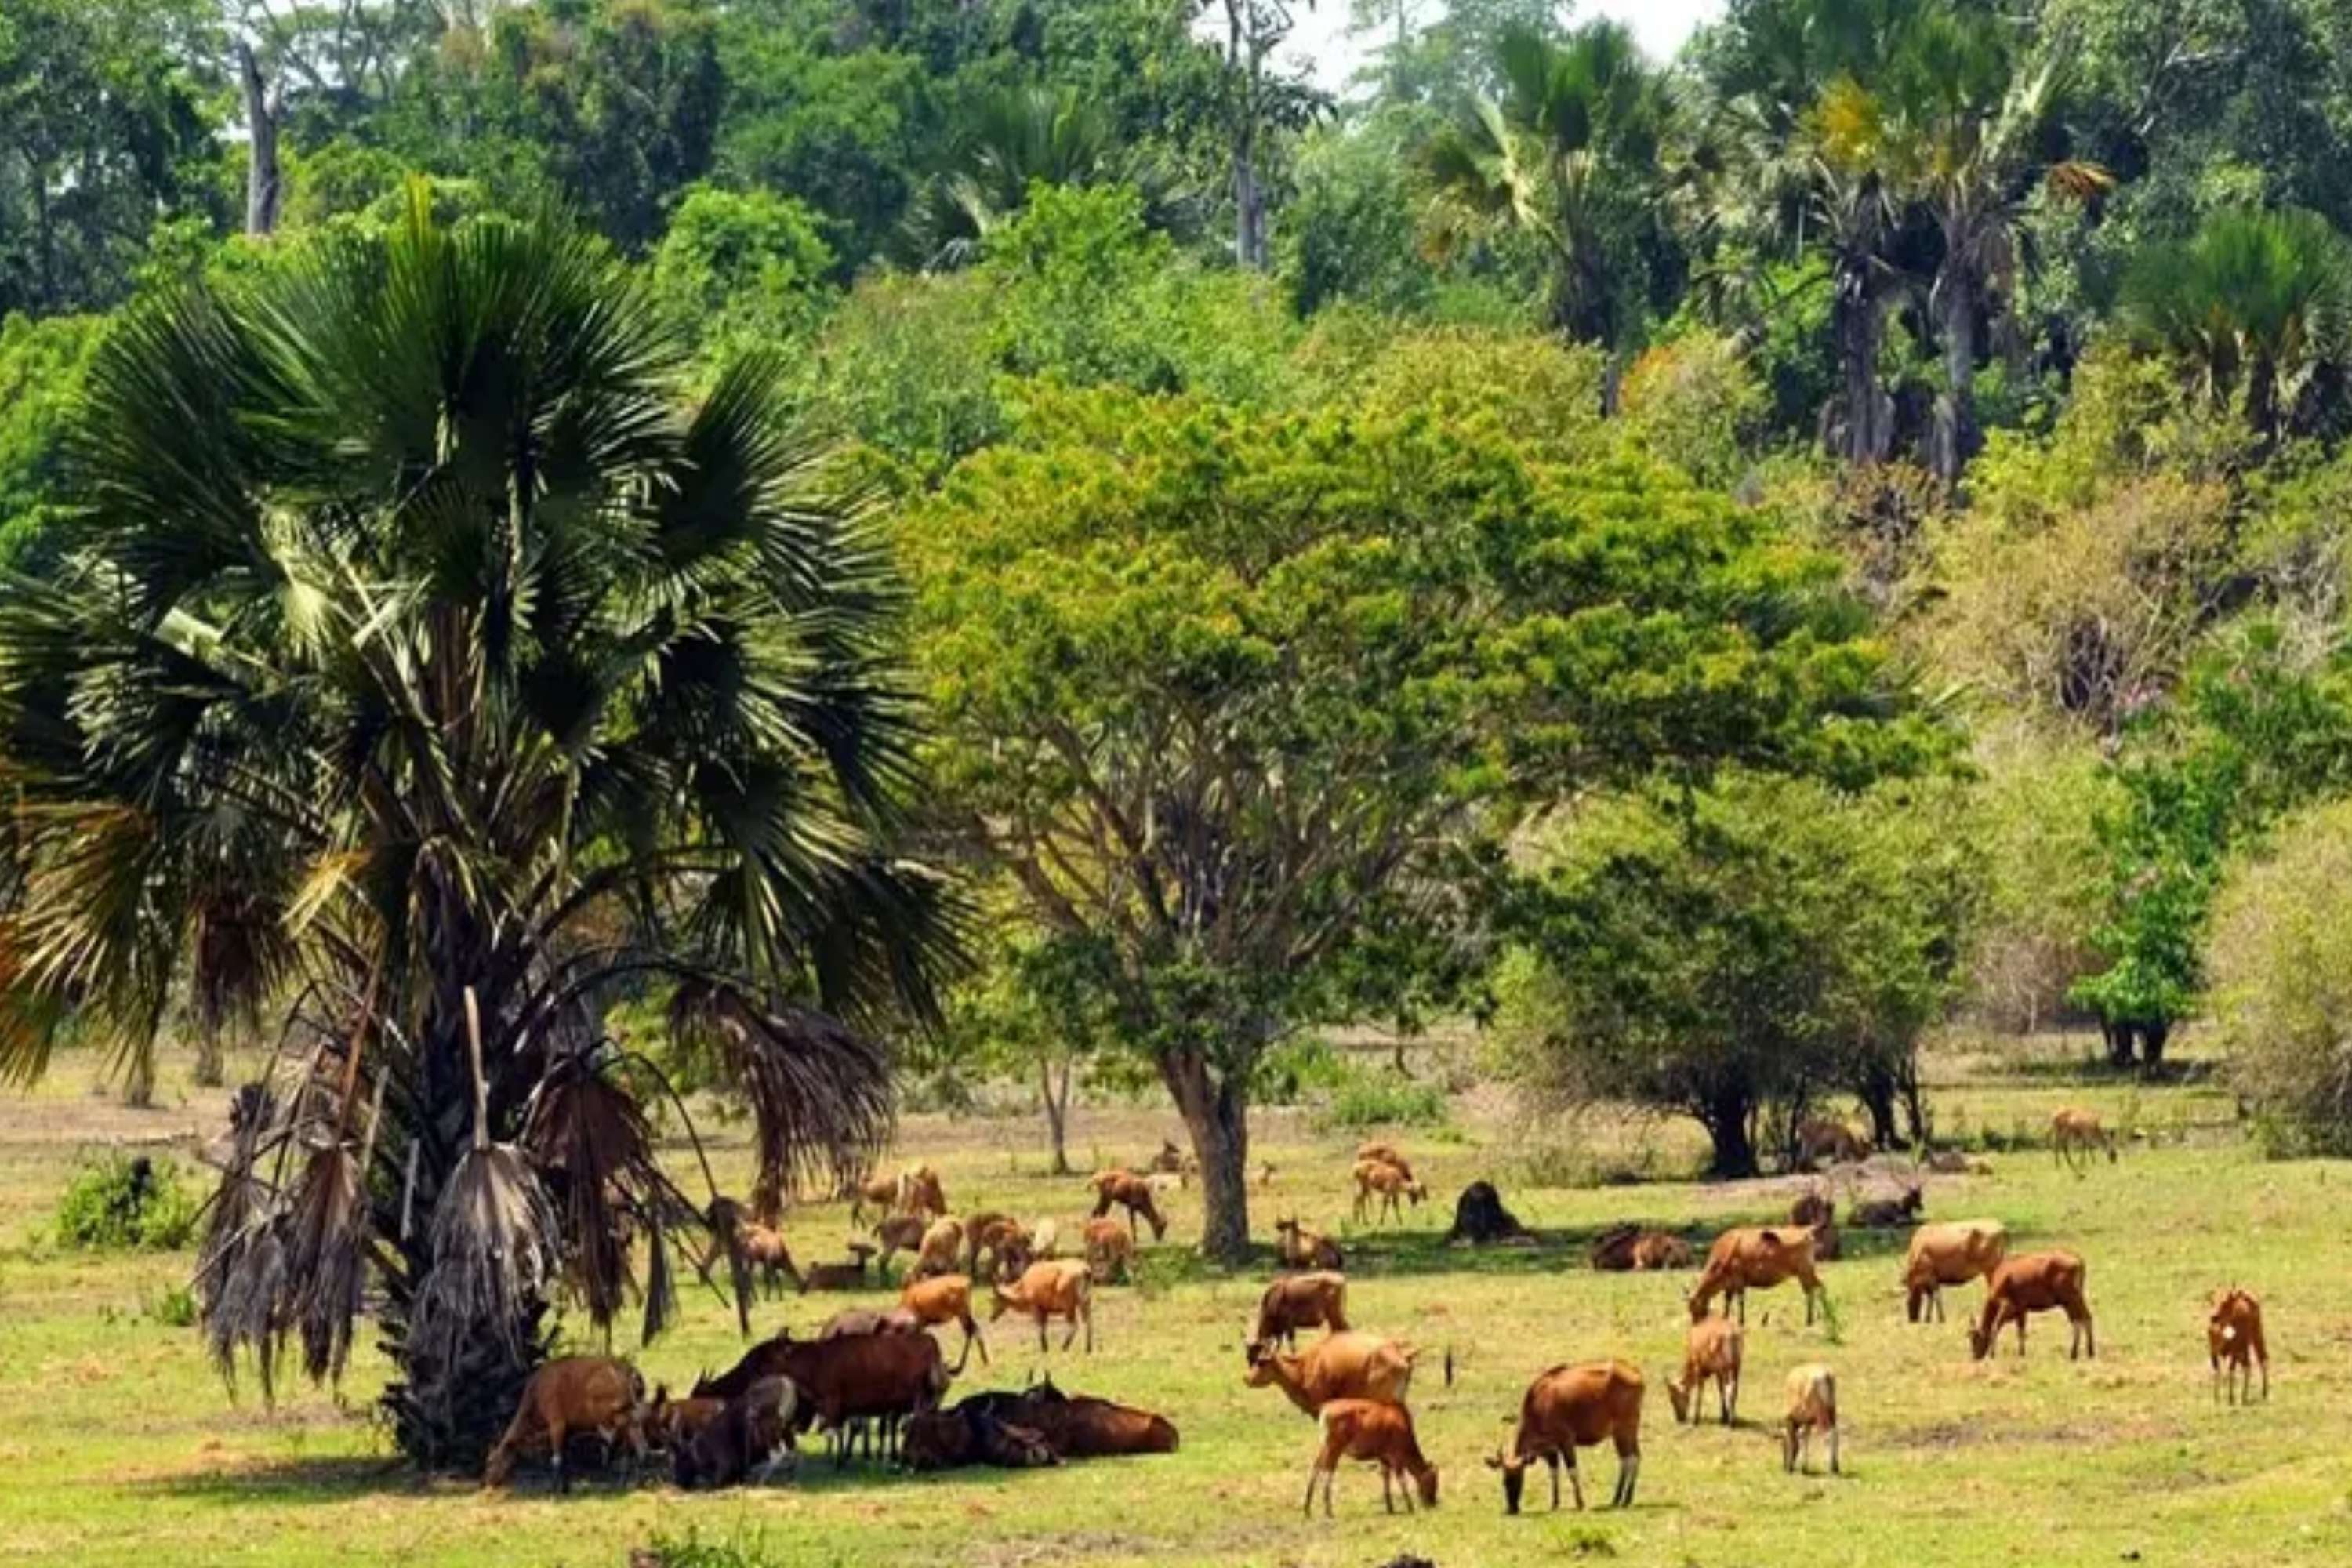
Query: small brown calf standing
[(1382, 1434), (945, 1299), (1110, 1251), (1711, 1349), (1813, 1407), (1061, 1288), (2234, 1339), (2035, 1282)]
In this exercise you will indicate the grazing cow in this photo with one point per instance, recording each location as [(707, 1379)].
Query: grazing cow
[(1338, 1366), (1110, 1251), (1811, 1408), (1131, 1193), (570, 1396), (1299, 1302), (879, 1377), (752, 1430), (1756, 1257), (1005, 1242), (1061, 1288), (2233, 1340), (1300, 1248), (1825, 1140), (849, 1276), (1381, 1434), (1890, 1213), (1387, 1155), (1710, 1350), (1951, 1253), (1571, 1408), (2035, 1282), (1392, 1185), (913, 1191), (2075, 1132)]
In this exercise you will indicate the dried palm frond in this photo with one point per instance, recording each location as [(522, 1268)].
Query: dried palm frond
[(328, 1230), (593, 1139), (241, 1267), (819, 1093), (724, 1220), (492, 1237)]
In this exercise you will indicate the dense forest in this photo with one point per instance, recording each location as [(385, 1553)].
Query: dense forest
[(1709, 567)]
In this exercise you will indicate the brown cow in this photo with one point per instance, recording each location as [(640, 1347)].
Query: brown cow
[(572, 1395), (1336, 1366), (2035, 1282), (1571, 1408), (2233, 1340), (1299, 1302), (1061, 1288), (1131, 1193), (945, 1299), (1379, 1433), (1756, 1257)]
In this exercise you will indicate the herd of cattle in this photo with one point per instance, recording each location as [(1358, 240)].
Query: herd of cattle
[(880, 1378)]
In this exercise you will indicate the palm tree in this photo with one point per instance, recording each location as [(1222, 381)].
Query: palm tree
[(1569, 158), (1971, 148), (1850, 212), (2254, 305), (1005, 141), (424, 666)]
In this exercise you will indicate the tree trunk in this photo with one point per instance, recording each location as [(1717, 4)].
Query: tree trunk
[(1057, 1113), (1956, 411), (45, 238), (1856, 313), (1726, 1121), (2152, 1036), (1249, 210), (2118, 1034), (1875, 1089), (138, 1080), (263, 188), (1217, 1114), (212, 1066)]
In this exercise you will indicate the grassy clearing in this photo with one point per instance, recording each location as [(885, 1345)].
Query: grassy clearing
[(117, 1445)]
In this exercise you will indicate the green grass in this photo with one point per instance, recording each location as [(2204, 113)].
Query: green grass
[(119, 1445)]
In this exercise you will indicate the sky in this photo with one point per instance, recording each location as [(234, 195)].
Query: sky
[(1660, 25)]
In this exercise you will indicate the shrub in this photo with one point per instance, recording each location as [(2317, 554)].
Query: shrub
[(126, 1202), (2035, 814), (2280, 962), (1362, 1097), (742, 1549), (1696, 404)]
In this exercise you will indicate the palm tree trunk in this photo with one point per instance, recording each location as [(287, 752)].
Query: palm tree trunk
[(1857, 326), (1956, 413), (263, 186)]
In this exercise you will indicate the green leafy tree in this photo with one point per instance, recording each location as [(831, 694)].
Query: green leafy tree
[(1736, 956), (1238, 700), (745, 269), (456, 668), (2256, 733), (42, 364)]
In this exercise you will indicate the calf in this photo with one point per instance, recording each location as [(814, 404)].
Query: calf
[(1889, 1213), (1131, 1193), (945, 1299), (1710, 1350), (1381, 1434), (1825, 1140), (941, 1251), (1336, 1366), (2036, 1282), (1061, 1288), (569, 1397), (671, 1424), (1813, 1407), (2075, 1132), (1301, 1301), (754, 1429), (1002, 1241), (2234, 1339), (1951, 1253), (764, 1250), (1392, 1185), (1571, 1408), (849, 1276), (1756, 1257), (1110, 1251), (897, 1234), (1300, 1247), (1387, 1155)]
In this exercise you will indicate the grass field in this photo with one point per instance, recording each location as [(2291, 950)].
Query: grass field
[(119, 1445)]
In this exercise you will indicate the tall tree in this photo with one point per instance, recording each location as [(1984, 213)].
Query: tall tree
[(1261, 105), (458, 674), (1238, 700)]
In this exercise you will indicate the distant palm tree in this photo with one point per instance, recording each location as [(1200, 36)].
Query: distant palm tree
[(1569, 157), (2255, 305), (1971, 145), (425, 664), (1001, 143)]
